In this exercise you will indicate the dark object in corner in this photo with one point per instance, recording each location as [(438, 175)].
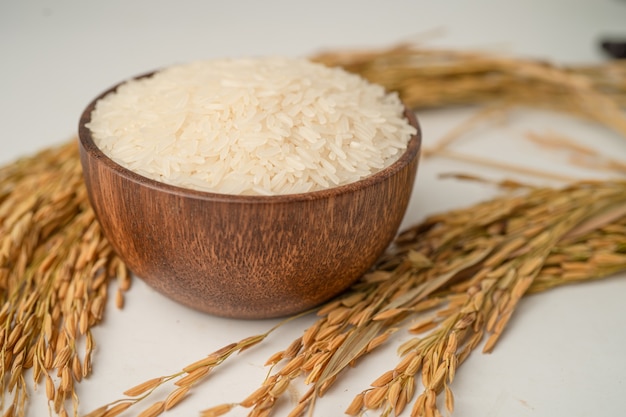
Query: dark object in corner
[(616, 48)]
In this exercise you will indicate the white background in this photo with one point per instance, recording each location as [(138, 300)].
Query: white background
[(563, 354)]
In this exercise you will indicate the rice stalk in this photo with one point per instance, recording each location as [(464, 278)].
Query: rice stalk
[(427, 78), (477, 307), (579, 155), (183, 380), (55, 267)]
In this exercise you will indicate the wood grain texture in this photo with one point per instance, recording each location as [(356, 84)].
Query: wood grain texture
[(247, 256)]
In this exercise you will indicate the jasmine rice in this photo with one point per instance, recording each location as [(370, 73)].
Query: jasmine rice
[(252, 126)]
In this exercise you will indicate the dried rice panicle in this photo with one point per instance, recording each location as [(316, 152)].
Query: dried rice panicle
[(183, 381), (55, 267), (431, 77), (526, 243)]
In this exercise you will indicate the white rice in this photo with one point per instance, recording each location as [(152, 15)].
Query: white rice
[(252, 126)]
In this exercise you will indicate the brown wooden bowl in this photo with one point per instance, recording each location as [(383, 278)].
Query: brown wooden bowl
[(246, 256)]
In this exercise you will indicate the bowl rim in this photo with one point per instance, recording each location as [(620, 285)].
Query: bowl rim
[(87, 143)]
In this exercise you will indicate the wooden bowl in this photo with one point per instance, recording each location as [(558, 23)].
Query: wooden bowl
[(246, 256)]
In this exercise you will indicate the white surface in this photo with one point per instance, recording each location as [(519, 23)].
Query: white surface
[(563, 353)]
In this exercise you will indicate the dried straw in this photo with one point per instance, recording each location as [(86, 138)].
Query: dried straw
[(55, 267), (437, 78)]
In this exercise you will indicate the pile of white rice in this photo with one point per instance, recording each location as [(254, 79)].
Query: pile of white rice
[(252, 126)]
